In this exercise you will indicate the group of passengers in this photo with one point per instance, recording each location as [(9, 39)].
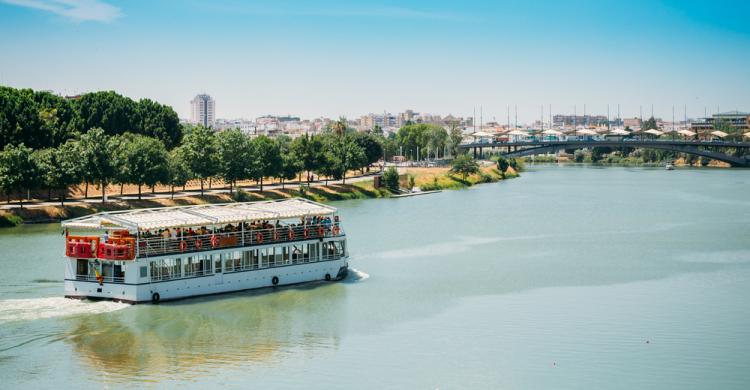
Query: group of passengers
[(180, 233)]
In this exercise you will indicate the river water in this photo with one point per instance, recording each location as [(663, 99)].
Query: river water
[(568, 277)]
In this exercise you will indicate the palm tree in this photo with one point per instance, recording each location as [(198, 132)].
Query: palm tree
[(339, 127)]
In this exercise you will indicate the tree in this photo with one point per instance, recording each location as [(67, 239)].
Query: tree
[(376, 131), (57, 115), (18, 170), (390, 146), (502, 165), (411, 182), (96, 151), (179, 170), (234, 153), (342, 154), (159, 121), (455, 136), (267, 159), (339, 127), (390, 179), (146, 161), (309, 152), (649, 124), (436, 140), (19, 119), (371, 146), (464, 165), (113, 113), (70, 167), (201, 152), (290, 163), (46, 162), (417, 139)]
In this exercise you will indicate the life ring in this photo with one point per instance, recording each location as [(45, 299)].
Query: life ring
[(214, 241), (307, 233), (275, 280), (198, 243), (259, 237), (183, 246), (336, 230), (155, 297), (321, 231), (290, 235), (275, 235)]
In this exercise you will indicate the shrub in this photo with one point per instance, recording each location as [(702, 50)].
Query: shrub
[(390, 179)]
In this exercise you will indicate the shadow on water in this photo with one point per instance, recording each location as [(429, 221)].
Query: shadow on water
[(188, 338)]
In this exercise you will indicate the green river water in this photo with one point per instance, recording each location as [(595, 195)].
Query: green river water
[(568, 277)]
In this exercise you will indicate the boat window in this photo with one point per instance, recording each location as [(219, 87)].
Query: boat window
[(119, 273), (285, 255), (190, 267), (144, 271), (217, 263), (165, 269), (338, 248), (93, 267), (247, 260), (82, 267), (204, 265), (327, 250)]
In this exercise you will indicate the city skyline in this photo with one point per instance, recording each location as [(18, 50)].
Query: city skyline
[(336, 59)]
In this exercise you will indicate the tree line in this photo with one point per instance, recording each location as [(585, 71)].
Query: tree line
[(48, 142), (101, 159), (40, 119)]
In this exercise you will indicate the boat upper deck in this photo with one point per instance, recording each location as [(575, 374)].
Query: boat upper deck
[(144, 220), (156, 232)]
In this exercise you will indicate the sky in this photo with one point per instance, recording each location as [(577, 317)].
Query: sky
[(347, 58)]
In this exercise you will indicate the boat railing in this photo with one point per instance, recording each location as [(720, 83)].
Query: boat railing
[(108, 279), (159, 246)]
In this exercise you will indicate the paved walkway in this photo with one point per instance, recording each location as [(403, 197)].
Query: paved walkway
[(182, 194)]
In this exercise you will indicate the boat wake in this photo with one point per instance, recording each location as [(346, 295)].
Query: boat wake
[(357, 275), (39, 308)]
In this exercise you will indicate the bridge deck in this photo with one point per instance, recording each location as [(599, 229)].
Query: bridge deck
[(707, 149)]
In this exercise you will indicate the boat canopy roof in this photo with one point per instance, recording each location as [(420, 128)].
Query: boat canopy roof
[(200, 215)]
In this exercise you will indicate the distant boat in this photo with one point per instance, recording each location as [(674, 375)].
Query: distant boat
[(669, 167)]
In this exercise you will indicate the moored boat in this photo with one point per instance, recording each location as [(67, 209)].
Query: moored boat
[(153, 255)]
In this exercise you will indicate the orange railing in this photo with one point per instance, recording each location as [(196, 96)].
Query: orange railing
[(122, 248), (82, 247)]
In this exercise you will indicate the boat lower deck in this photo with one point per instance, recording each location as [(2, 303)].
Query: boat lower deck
[(218, 283)]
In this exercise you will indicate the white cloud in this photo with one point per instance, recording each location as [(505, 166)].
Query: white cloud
[(77, 10)]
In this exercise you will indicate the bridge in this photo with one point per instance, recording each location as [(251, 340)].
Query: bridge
[(709, 149)]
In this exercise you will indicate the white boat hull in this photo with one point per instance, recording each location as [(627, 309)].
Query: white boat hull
[(217, 283)]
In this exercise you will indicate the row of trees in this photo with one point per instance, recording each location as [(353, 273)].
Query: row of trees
[(426, 140), (40, 119), (98, 158)]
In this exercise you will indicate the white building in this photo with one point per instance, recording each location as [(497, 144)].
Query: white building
[(244, 125), (203, 110)]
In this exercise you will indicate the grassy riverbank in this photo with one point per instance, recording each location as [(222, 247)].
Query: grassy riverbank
[(429, 179), (425, 178)]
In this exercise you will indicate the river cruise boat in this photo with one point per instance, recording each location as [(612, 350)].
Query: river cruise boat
[(153, 255)]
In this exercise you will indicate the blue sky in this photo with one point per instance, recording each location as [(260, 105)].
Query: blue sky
[(334, 58)]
